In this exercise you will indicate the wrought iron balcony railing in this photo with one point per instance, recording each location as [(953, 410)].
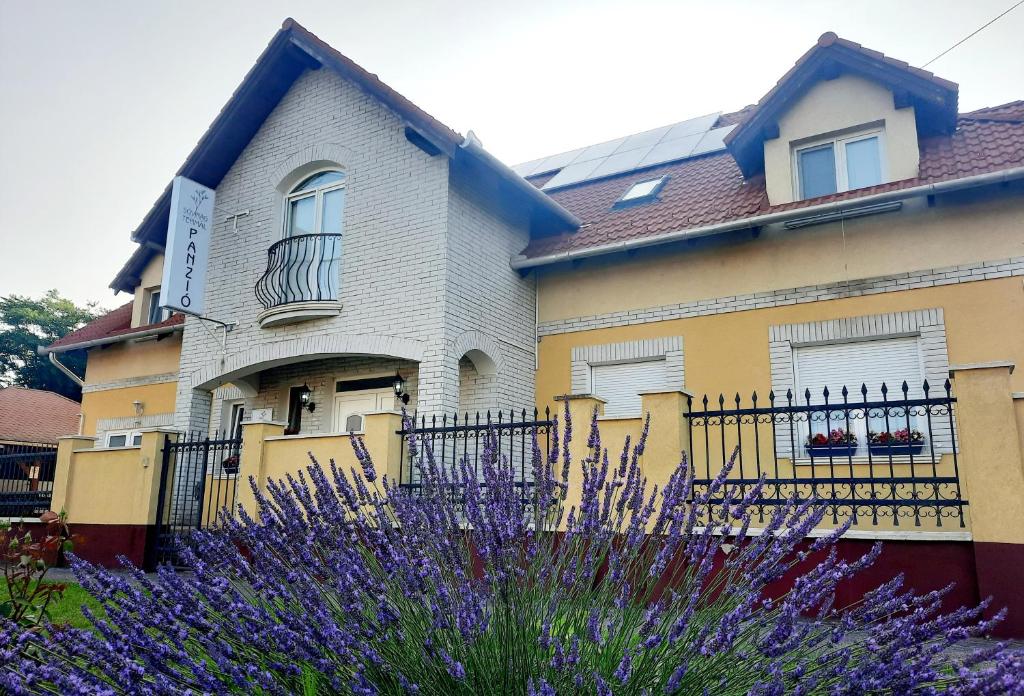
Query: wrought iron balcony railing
[(303, 268)]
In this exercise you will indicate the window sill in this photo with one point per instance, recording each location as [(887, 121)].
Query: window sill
[(295, 312)]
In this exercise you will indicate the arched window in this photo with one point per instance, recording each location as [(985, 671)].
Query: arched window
[(315, 206)]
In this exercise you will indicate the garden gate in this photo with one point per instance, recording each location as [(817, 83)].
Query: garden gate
[(198, 479)]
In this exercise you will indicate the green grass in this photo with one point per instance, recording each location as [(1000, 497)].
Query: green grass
[(68, 609)]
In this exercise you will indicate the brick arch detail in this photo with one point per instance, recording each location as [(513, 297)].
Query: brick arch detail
[(481, 349), (238, 366)]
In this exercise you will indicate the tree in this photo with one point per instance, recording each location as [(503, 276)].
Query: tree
[(25, 324)]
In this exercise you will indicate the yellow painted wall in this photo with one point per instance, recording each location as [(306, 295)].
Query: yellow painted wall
[(116, 403), (123, 361), (969, 228), (133, 359), (839, 106), (729, 352), (150, 280), (110, 486)]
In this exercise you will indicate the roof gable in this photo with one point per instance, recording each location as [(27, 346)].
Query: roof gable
[(292, 51), (933, 98)]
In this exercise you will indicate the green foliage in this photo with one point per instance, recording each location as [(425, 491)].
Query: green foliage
[(26, 323), (26, 599)]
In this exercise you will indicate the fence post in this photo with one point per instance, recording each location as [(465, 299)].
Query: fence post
[(383, 442), (992, 470), (251, 461), (581, 410), (63, 474), (668, 436)]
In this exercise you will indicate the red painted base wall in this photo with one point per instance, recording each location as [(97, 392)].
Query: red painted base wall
[(103, 543)]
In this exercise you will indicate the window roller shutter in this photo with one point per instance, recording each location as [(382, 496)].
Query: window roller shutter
[(620, 385), (852, 364)]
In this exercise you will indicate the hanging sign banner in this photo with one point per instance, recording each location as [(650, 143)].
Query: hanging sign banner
[(188, 247)]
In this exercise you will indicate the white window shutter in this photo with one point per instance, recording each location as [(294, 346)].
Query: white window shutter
[(892, 361), (620, 385)]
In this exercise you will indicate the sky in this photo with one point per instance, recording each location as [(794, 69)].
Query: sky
[(101, 101)]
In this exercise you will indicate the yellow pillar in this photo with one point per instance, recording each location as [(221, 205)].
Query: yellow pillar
[(581, 410), (64, 471), (151, 457), (380, 435), (992, 476), (668, 435), (252, 462)]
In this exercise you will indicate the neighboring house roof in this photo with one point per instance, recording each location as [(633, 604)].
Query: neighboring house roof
[(712, 189), (933, 98), (112, 327), (36, 416), (292, 51)]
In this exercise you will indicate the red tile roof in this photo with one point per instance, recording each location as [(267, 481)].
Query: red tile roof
[(711, 189), (113, 324), (36, 416)]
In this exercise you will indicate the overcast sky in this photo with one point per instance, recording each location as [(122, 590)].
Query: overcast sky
[(100, 102)]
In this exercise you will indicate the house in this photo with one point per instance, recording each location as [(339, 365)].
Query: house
[(34, 417), (852, 229), (31, 423)]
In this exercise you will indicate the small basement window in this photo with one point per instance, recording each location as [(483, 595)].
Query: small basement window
[(641, 192)]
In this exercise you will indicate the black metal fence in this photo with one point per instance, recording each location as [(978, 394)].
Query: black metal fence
[(892, 458), (453, 438), (26, 479), (198, 479), (303, 268)]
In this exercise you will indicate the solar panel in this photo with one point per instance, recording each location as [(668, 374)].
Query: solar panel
[(713, 140), (670, 143)]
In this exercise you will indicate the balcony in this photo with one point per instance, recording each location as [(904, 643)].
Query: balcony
[(301, 280)]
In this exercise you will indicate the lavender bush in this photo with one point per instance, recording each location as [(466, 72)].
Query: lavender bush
[(348, 584)]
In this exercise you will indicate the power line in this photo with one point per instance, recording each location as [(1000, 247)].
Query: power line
[(983, 26)]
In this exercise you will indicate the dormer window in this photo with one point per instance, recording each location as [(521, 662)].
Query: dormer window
[(839, 164), (155, 313), (641, 192)]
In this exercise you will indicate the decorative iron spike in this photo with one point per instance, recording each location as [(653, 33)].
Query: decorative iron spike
[(926, 387), (885, 389), (949, 386), (906, 389), (845, 392), (864, 390)]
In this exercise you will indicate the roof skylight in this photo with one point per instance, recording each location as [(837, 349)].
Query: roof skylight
[(641, 192)]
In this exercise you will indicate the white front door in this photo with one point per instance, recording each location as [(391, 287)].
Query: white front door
[(350, 407)]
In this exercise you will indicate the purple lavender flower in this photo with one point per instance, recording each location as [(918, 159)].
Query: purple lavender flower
[(347, 582)]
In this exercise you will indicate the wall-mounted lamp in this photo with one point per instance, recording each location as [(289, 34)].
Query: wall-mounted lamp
[(399, 386), (139, 408), (306, 398)]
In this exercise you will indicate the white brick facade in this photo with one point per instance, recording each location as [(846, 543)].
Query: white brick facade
[(421, 265)]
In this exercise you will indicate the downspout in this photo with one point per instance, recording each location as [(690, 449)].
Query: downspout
[(74, 378), (65, 369)]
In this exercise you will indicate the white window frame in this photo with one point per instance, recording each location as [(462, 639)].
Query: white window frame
[(318, 193), (839, 143), (130, 437), (163, 314)]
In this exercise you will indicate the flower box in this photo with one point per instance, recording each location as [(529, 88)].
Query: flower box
[(825, 451), (900, 443), (896, 449), (838, 443)]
